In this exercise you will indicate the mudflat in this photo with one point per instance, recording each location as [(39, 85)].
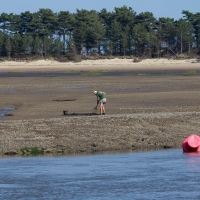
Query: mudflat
[(148, 106)]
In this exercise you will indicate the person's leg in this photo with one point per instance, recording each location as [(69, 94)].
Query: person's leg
[(101, 108), (104, 102)]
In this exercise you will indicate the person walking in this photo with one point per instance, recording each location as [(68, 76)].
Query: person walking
[(101, 99)]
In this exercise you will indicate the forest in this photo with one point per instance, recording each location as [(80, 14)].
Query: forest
[(68, 36)]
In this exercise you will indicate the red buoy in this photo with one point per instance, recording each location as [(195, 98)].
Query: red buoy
[(191, 144)]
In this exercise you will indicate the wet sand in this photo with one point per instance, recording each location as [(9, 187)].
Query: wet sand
[(148, 110)]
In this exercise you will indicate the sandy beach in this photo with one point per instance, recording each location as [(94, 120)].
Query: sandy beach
[(144, 109), (104, 64)]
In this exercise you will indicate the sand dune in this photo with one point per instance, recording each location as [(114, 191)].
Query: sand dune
[(104, 64)]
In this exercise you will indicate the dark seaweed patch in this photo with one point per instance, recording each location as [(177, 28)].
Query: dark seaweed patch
[(80, 114), (59, 100)]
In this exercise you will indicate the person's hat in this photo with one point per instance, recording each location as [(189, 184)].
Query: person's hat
[(95, 92)]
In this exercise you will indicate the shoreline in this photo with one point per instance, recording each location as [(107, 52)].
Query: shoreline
[(125, 137)]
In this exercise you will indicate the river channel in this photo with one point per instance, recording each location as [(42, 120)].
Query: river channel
[(166, 174)]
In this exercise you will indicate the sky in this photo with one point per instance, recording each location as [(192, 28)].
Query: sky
[(159, 8)]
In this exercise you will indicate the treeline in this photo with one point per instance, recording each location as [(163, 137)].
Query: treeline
[(118, 33)]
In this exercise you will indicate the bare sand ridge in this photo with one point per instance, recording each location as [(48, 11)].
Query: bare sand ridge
[(147, 111), (104, 64)]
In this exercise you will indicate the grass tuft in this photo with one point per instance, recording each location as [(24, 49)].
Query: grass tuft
[(191, 72), (32, 151)]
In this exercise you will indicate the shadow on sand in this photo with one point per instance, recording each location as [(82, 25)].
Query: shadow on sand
[(65, 113)]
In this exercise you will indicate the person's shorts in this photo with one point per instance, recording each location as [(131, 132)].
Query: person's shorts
[(102, 101)]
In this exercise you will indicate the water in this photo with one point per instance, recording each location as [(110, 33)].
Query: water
[(168, 174), (102, 73), (4, 111)]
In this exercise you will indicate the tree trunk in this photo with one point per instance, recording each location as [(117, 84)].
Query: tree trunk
[(189, 50), (9, 55), (64, 39), (181, 43)]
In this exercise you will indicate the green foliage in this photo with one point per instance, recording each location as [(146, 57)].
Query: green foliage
[(8, 46), (36, 45), (122, 32), (193, 19), (88, 32), (191, 72), (58, 46), (92, 73), (1, 42), (32, 151), (65, 26), (77, 59)]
